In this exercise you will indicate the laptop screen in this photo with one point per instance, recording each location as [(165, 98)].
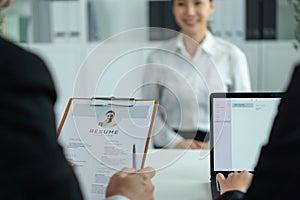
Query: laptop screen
[(240, 125)]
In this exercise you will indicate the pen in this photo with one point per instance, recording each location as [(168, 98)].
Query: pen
[(133, 157)]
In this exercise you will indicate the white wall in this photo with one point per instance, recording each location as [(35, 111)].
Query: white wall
[(271, 62), (116, 16)]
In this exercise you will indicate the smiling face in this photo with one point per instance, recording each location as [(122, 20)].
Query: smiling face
[(109, 117), (192, 15)]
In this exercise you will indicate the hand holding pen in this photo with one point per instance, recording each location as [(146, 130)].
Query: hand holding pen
[(131, 183), (134, 186)]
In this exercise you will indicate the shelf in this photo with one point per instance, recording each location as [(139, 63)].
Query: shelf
[(99, 20), (268, 59)]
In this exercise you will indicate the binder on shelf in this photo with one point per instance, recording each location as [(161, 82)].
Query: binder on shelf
[(161, 16), (261, 19), (58, 13), (56, 21), (216, 21), (73, 21), (24, 28), (253, 17), (41, 21), (98, 136), (228, 19), (269, 19), (228, 24), (240, 20), (93, 22)]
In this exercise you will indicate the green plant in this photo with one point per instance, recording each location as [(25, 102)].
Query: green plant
[(296, 6)]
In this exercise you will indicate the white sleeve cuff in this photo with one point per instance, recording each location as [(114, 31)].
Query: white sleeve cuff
[(117, 197)]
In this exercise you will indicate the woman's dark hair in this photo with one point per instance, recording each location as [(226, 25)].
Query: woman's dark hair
[(110, 111), (173, 1)]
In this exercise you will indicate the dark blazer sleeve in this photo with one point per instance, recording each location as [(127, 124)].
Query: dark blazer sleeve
[(232, 195), (277, 172), (32, 163)]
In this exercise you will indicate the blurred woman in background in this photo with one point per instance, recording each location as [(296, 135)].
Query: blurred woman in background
[(223, 67)]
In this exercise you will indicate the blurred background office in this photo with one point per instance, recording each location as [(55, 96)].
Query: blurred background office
[(64, 32)]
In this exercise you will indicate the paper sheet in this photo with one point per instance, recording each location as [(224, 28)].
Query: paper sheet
[(98, 151)]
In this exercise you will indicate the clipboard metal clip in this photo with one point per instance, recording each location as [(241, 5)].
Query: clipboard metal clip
[(113, 101)]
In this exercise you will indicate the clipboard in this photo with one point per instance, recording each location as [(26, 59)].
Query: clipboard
[(99, 136)]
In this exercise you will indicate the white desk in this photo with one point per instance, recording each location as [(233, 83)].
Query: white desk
[(180, 174)]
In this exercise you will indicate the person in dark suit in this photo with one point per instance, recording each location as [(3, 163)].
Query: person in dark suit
[(32, 166), (32, 163), (277, 174)]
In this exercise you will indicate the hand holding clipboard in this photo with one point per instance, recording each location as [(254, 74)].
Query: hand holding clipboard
[(92, 147)]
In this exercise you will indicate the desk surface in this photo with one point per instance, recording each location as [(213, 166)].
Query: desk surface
[(180, 174)]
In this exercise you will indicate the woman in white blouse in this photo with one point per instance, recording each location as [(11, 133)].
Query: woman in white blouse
[(185, 70)]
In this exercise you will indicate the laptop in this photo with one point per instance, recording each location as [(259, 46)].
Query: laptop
[(240, 124)]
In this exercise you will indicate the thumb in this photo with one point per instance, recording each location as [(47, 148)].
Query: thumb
[(148, 172), (221, 179)]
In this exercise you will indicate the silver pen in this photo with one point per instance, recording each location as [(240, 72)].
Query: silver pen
[(134, 157)]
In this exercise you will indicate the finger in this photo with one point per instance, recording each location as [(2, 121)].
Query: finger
[(149, 172), (150, 188), (146, 181), (202, 145), (221, 179), (247, 174), (231, 174), (206, 145), (125, 171), (193, 146), (71, 164), (147, 169), (191, 143), (198, 144)]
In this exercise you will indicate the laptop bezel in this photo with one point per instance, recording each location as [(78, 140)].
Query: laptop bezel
[(213, 96)]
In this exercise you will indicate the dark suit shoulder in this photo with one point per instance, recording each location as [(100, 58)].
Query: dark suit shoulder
[(34, 164), (295, 79), (277, 170), (23, 70), (10, 50)]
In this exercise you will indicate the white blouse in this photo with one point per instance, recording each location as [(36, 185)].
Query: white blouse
[(183, 84)]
